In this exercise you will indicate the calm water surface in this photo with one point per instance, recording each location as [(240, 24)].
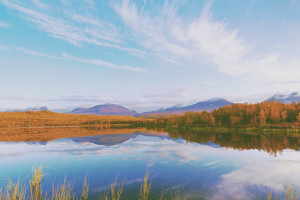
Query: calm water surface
[(205, 166)]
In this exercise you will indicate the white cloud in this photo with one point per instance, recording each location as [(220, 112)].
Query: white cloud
[(39, 4), (176, 38), (3, 47), (35, 53), (4, 24), (273, 173), (75, 28), (172, 37), (102, 63), (69, 57)]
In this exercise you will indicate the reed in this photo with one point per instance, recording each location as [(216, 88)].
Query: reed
[(13, 192), (145, 188), (62, 192), (115, 191), (85, 190), (290, 194), (36, 184), (177, 195)]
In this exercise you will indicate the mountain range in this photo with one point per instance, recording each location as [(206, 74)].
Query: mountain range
[(293, 97), (105, 109), (209, 105), (114, 109)]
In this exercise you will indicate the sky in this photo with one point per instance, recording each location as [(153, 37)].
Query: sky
[(146, 55)]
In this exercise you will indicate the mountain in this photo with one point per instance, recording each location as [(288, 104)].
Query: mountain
[(107, 140), (293, 97), (116, 139), (105, 109), (200, 106), (30, 109)]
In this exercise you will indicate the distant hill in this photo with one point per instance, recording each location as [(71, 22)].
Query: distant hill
[(105, 109), (293, 97), (30, 109), (208, 105)]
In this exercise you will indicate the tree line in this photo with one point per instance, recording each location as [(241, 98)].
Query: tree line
[(268, 113)]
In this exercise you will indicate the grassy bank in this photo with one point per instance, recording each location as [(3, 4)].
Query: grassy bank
[(16, 191), (48, 134), (53, 119)]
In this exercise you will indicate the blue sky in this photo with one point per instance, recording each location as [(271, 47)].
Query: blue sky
[(146, 54)]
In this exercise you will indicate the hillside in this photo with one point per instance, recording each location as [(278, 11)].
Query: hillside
[(48, 118)]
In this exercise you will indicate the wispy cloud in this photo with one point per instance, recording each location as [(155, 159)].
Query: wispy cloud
[(168, 37), (4, 24), (172, 37), (102, 63), (3, 47), (35, 53), (68, 57), (75, 28), (39, 4)]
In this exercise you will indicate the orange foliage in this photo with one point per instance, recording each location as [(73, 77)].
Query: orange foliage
[(240, 115)]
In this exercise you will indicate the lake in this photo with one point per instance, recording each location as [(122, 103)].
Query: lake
[(201, 165)]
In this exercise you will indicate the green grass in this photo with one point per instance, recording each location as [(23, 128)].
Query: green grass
[(16, 191)]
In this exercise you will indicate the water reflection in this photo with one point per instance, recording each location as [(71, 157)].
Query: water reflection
[(271, 143), (205, 166)]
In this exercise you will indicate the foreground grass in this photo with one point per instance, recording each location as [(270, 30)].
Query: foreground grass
[(16, 191)]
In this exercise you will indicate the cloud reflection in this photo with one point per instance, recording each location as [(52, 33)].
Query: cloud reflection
[(233, 173)]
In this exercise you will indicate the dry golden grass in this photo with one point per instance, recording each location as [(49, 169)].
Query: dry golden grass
[(145, 188), (48, 118), (36, 184), (48, 134), (62, 192), (115, 191), (13, 192)]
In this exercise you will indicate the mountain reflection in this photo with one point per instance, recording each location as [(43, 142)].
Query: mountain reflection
[(271, 143)]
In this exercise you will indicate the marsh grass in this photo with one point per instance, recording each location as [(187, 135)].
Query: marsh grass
[(177, 195), (16, 191), (290, 194), (145, 188), (115, 191), (13, 192), (85, 190), (63, 192), (36, 184)]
